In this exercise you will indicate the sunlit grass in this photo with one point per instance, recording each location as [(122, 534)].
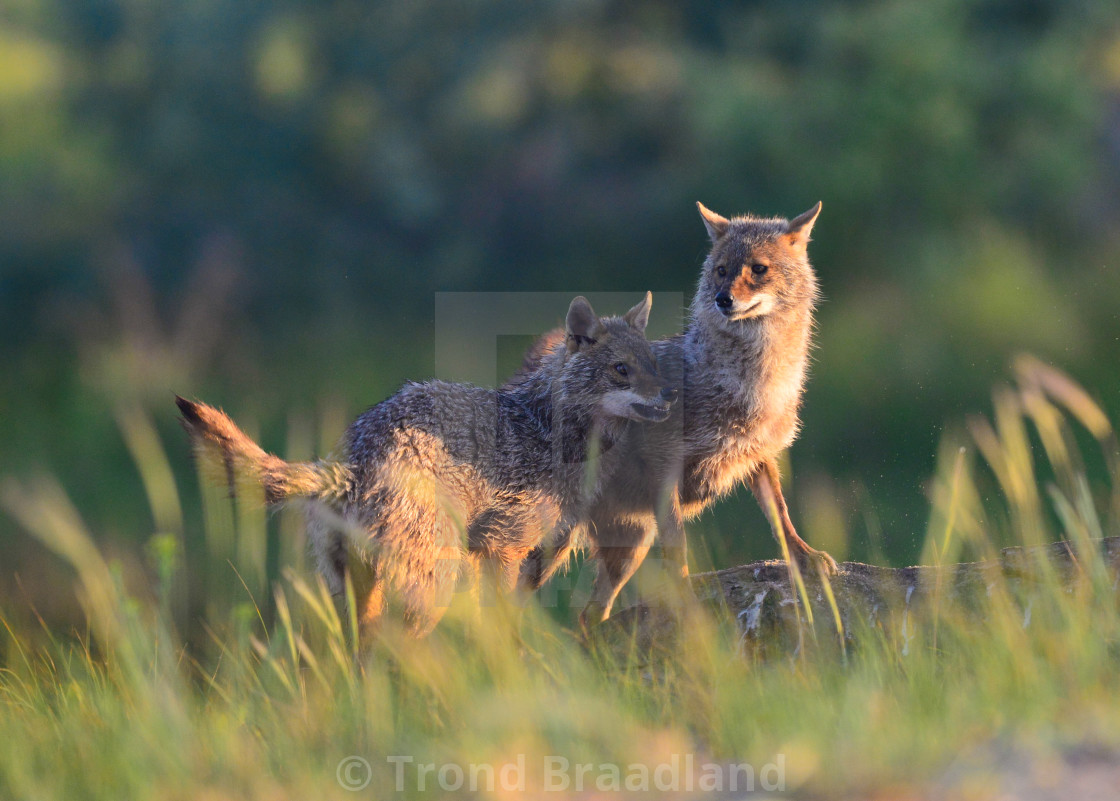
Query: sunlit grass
[(278, 694)]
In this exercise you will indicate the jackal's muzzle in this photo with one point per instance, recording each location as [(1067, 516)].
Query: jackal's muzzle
[(657, 410)]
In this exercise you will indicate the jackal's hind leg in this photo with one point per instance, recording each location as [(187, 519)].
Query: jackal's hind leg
[(767, 487)]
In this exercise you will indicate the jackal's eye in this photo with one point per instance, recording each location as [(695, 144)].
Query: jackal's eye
[(622, 369), (721, 271), (759, 269)]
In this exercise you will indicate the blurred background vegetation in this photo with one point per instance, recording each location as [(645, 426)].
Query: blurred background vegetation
[(255, 204)]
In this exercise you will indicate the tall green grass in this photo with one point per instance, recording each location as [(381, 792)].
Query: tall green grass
[(276, 701)]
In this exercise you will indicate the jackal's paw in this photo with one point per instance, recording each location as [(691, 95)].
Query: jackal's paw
[(814, 560)]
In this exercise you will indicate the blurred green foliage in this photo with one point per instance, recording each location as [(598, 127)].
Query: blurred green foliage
[(255, 203)]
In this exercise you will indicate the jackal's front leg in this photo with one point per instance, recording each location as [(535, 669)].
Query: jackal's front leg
[(767, 487), (620, 546)]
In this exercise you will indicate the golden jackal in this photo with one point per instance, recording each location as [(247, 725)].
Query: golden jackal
[(742, 361), (443, 476)]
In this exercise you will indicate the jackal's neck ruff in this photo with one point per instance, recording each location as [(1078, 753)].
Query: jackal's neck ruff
[(567, 417), (751, 358)]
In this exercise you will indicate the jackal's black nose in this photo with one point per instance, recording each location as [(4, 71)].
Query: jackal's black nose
[(723, 300), (668, 394)]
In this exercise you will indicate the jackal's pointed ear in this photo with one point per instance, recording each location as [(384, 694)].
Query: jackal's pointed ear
[(582, 325), (802, 225), (717, 226), (638, 317)]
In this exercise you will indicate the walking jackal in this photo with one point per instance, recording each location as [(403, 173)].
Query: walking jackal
[(443, 477), (742, 362)]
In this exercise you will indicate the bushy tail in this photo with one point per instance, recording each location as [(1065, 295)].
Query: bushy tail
[(215, 434)]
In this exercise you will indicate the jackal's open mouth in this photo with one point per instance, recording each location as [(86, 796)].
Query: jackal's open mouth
[(654, 412)]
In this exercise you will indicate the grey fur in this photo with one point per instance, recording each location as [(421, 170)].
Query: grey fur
[(443, 476)]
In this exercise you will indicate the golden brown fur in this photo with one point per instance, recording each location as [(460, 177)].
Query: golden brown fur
[(742, 363)]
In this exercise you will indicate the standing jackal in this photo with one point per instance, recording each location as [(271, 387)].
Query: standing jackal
[(442, 476), (742, 360)]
